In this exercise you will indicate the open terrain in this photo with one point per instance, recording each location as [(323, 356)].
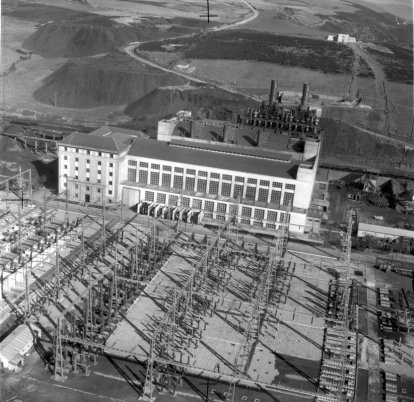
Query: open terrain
[(202, 100), (113, 79), (46, 33), (313, 54)]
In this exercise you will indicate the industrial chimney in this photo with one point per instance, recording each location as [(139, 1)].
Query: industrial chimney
[(305, 96), (273, 88), (192, 128), (260, 138)]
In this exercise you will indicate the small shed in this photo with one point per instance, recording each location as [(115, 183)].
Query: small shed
[(16, 345)]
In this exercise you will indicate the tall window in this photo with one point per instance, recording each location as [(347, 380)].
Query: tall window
[(190, 183), (185, 201), (155, 178), (288, 199), (197, 203), (132, 174), (263, 194), (178, 182), (149, 196), (234, 210), (209, 206), (202, 185), (250, 193), (238, 191), (214, 187), (272, 216), (246, 212), (226, 189), (259, 213), (161, 198), (275, 197), (173, 200), (221, 207), (143, 176), (166, 180)]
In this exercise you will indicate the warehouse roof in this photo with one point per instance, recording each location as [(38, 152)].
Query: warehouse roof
[(385, 230), (12, 346), (203, 157)]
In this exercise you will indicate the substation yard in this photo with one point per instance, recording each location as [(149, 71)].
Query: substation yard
[(287, 351), (122, 289)]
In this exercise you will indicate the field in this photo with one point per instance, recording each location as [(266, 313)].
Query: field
[(289, 51)]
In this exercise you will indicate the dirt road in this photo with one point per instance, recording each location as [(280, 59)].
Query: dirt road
[(379, 81), (130, 51)]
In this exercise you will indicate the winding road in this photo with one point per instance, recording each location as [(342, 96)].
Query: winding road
[(130, 50), (379, 81)]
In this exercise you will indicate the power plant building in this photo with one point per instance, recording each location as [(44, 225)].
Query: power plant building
[(214, 169)]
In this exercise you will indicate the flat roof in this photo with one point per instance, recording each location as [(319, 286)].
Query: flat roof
[(378, 228), (147, 148)]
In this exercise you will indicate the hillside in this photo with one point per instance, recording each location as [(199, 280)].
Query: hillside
[(206, 101), (114, 79), (340, 139), (290, 51)]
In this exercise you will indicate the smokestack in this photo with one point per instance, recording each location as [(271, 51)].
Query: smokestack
[(305, 95), (260, 138), (192, 128), (273, 87)]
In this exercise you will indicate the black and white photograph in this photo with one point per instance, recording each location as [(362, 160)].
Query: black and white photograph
[(206, 201)]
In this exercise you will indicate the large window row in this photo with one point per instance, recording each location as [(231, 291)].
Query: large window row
[(250, 188)]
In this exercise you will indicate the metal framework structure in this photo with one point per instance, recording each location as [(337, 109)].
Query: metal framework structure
[(20, 185), (346, 259)]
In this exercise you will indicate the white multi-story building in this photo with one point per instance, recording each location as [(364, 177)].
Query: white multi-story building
[(252, 175)]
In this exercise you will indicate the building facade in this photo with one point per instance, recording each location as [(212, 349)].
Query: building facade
[(90, 165), (249, 184)]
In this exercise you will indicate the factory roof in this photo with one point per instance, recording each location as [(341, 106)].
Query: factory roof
[(106, 138), (385, 230), (230, 148), (204, 157)]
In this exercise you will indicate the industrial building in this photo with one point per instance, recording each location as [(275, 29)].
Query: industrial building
[(14, 347), (253, 170)]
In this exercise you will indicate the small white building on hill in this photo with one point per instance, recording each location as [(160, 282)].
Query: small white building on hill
[(342, 38)]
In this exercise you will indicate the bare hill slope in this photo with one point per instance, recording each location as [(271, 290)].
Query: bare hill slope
[(343, 140), (206, 101), (113, 79)]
